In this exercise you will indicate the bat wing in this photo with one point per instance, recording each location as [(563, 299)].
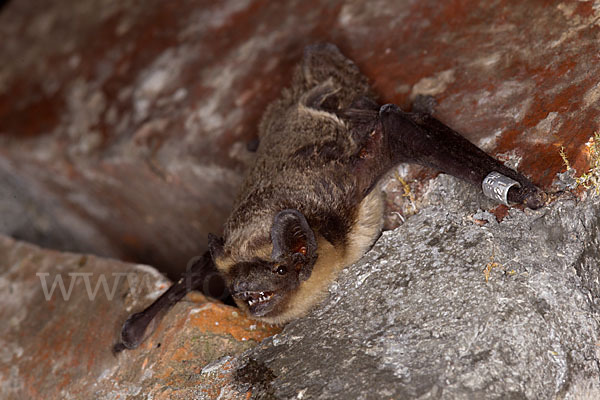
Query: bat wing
[(135, 329), (422, 139)]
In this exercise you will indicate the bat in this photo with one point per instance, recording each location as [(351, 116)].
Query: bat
[(311, 205)]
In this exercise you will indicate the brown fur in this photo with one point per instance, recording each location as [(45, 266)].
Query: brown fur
[(317, 185), (303, 163)]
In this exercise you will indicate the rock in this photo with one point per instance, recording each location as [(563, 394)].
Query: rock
[(63, 312), (123, 131), (440, 307), (444, 308)]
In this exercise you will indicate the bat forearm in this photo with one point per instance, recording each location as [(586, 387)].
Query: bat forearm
[(424, 140), (135, 328)]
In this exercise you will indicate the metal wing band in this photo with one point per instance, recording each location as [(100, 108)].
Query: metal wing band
[(496, 186)]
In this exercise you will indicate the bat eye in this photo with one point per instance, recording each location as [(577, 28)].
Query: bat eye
[(281, 270)]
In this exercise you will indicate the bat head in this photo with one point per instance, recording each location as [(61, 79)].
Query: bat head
[(263, 286)]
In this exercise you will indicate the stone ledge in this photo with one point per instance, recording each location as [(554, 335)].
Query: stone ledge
[(57, 344), (443, 307)]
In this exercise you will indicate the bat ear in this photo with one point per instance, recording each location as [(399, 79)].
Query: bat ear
[(323, 97), (215, 246), (293, 241)]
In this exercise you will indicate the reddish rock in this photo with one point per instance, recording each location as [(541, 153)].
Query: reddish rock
[(57, 341), (123, 127)]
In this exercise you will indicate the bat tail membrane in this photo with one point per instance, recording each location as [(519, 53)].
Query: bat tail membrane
[(136, 328), (422, 139)]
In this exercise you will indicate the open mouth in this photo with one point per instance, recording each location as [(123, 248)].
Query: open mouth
[(259, 303)]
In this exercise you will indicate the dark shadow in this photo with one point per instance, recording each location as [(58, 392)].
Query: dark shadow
[(3, 3)]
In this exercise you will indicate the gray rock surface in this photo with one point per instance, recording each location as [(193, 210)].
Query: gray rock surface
[(442, 307), (417, 318)]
